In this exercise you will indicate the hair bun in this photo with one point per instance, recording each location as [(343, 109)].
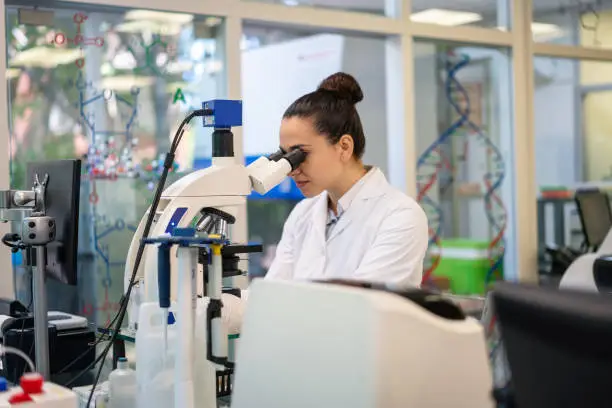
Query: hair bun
[(345, 85)]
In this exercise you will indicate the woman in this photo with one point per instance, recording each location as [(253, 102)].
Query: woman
[(352, 224)]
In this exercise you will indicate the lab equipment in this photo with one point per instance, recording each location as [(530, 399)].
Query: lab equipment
[(208, 199), (580, 275), (11, 307), (216, 340), (48, 231), (156, 367), (62, 199), (595, 216), (122, 386), (602, 273), (35, 392), (382, 236), (163, 281), (557, 345), (363, 347), (69, 336)]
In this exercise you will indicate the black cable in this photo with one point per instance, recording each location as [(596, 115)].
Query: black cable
[(83, 354), (124, 302), (83, 372), (12, 241), (145, 234), (100, 339)]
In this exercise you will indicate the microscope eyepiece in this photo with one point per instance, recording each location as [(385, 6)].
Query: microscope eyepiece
[(295, 158), (276, 156), (267, 172)]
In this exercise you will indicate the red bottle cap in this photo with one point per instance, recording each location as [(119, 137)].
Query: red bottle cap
[(32, 383)]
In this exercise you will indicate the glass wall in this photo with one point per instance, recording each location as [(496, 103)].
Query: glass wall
[(571, 22), (108, 87), (572, 122), (487, 13), (572, 104), (381, 7), (280, 65), (465, 163)]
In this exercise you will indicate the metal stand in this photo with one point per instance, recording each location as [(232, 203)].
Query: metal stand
[(41, 325), (37, 231)]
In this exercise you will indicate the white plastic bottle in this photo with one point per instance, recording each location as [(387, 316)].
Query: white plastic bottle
[(122, 386)]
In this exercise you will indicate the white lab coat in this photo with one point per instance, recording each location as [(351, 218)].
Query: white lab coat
[(381, 237)]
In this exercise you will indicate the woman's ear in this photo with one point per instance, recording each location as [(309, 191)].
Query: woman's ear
[(346, 147)]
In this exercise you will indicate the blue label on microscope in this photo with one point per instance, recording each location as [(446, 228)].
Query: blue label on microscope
[(175, 219)]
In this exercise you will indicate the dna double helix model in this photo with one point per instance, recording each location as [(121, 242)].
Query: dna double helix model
[(435, 170)]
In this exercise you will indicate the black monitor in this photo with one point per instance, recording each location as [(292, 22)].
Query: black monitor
[(557, 345), (595, 216), (62, 203)]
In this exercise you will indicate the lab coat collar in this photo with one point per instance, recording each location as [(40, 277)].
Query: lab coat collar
[(347, 199), (374, 185)]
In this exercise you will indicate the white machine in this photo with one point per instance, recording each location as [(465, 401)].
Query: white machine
[(208, 200), (579, 275), (305, 345)]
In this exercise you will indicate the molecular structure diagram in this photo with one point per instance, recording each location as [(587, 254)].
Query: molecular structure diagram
[(78, 40), (153, 56), (102, 250), (105, 159), (435, 169)]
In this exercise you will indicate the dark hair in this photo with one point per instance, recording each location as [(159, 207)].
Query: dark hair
[(332, 108)]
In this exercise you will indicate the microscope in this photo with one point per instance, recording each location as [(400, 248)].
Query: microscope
[(192, 229), (209, 199)]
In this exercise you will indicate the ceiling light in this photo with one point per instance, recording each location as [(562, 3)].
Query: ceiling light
[(212, 21), (124, 83), (545, 31), (154, 27), (160, 16), (12, 73), (45, 57), (445, 17), (179, 67)]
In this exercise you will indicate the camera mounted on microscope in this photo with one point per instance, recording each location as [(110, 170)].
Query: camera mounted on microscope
[(265, 172)]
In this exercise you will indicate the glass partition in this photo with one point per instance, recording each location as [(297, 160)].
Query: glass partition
[(465, 163), (109, 87), (587, 23)]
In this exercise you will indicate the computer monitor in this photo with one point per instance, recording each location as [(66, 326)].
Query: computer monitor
[(557, 345), (61, 203), (595, 215)]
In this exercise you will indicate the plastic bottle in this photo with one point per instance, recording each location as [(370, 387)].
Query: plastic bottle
[(155, 372), (122, 386)]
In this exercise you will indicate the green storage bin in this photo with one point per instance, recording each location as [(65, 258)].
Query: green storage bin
[(466, 264)]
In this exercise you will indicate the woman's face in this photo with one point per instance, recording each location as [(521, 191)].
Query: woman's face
[(323, 164)]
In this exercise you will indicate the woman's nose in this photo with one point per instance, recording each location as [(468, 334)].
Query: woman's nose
[(295, 172)]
